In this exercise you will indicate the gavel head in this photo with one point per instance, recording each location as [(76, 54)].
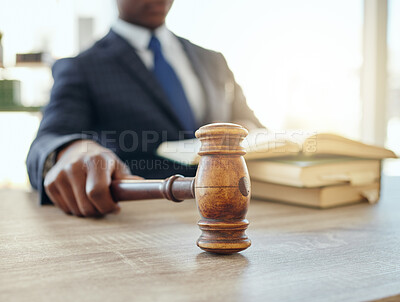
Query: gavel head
[(222, 189)]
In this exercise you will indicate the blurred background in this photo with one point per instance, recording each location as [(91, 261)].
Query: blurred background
[(325, 65)]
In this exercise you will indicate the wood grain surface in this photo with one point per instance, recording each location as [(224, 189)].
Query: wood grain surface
[(148, 253)]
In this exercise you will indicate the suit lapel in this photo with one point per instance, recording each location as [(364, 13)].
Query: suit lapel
[(127, 56), (204, 78)]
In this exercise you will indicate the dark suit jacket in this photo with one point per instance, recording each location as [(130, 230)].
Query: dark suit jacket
[(107, 94)]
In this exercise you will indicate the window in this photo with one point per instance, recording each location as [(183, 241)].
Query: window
[(297, 61), (392, 167), (393, 105)]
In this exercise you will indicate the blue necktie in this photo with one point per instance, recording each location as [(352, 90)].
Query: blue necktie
[(169, 81)]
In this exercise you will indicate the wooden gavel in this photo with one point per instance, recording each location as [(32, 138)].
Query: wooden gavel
[(221, 189)]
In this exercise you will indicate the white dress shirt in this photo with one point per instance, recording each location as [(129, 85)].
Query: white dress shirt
[(139, 37)]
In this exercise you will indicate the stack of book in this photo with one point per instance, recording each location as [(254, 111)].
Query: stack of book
[(316, 182), (316, 170)]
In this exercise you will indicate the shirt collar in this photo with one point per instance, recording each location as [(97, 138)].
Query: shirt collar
[(139, 37)]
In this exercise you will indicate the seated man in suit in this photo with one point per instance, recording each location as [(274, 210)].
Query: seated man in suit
[(112, 105)]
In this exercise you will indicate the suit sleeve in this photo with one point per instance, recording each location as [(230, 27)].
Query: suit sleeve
[(240, 109), (66, 118)]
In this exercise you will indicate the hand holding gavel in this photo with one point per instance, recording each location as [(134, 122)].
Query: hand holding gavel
[(80, 185), (221, 189)]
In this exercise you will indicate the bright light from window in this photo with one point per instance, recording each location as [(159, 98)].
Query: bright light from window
[(298, 61)]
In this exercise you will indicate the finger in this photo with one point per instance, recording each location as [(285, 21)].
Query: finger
[(132, 177), (56, 198), (122, 171), (77, 179), (65, 189), (99, 171), (62, 204)]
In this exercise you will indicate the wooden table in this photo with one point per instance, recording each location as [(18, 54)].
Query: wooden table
[(148, 253)]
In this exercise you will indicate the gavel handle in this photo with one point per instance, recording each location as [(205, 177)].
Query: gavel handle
[(176, 188)]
